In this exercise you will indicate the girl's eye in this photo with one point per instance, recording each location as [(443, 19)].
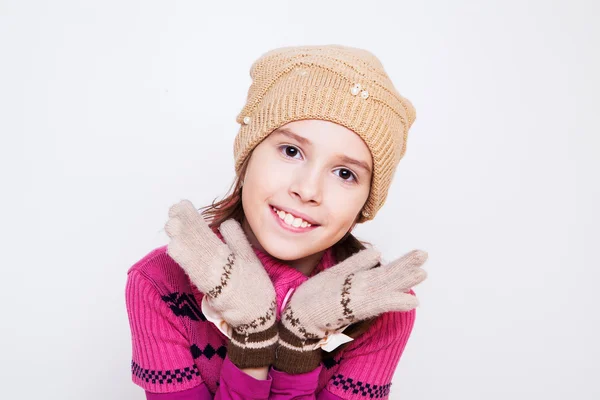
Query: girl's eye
[(345, 174), (290, 151)]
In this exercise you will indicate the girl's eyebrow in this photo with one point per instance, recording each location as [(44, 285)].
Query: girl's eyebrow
[(349, 160), (289, 133), (305, 141)]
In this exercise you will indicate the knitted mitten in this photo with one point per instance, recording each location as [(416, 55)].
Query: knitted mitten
[(341, 295), (233, 279)]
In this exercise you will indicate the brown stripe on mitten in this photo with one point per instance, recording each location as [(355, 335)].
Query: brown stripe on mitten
[(253, 350), (296, 355)]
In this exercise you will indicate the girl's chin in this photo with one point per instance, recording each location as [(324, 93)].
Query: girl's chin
[(284, 251), (288, 255)]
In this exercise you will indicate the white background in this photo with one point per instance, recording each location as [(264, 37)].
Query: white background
[(112, 111)]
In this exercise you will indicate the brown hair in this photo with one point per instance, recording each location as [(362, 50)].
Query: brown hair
[(231, 207)]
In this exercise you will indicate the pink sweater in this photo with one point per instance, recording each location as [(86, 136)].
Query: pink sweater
[(178, 354)]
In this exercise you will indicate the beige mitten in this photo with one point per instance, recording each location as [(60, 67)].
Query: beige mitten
[(349, 292), (233, 279)]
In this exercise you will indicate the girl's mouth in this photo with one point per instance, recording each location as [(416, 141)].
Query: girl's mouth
[(291, 223)]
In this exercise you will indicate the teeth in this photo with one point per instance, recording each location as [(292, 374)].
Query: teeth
[(291, 220), (288, 219)]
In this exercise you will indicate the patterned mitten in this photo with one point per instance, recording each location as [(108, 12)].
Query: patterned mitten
[(233, 279), (348, 292)]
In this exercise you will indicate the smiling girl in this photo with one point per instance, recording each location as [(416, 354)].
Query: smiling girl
[(266, 294)]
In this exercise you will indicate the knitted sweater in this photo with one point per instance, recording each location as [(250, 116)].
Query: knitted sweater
[(176, 350)]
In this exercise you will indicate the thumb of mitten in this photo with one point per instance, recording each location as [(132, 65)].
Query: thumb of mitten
[(359, 261), (237, 240)]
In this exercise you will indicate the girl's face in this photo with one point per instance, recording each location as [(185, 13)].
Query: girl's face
[(306, 172)]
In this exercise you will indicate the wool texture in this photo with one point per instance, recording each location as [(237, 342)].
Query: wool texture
[(336, 83), (231, 275), (174, 346)]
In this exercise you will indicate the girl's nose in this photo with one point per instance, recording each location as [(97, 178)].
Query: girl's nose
[(308, 188)]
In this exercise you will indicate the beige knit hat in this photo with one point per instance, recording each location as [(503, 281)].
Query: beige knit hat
[(341, 84)]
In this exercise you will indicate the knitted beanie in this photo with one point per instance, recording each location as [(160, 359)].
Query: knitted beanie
[(336, 83)]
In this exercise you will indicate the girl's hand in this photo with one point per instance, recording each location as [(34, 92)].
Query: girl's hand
[(231, 276), (349, 292)]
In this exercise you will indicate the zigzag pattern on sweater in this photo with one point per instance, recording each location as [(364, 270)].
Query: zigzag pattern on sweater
[(331, 362), (184, 305)]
